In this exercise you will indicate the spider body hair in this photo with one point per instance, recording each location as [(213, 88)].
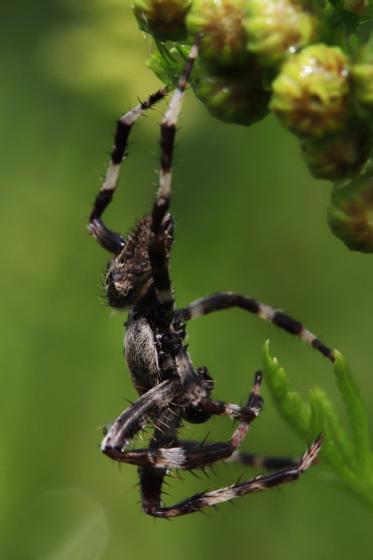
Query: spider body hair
[(171, 390), (129, 278)]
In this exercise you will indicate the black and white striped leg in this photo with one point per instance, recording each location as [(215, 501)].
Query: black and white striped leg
[(134, 418), (158, 252), (109, 239), (191, 457), (207, 499), (207, 407), (250, 459), (151, 478), (227, 300), (221, 408), (260, 461)]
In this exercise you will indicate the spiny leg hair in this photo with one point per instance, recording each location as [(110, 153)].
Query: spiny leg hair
[(183, 457), (209, 499), (134, 418), (110, 240), (158, 246), (251, 460)]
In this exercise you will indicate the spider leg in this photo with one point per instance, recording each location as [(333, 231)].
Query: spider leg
[(260, 462), (110, 240), (193, 457), (164, 436), (207, 407), (153, 506), (158, 247), (250, 459), (226, 300), (134, 418), (221, 408)]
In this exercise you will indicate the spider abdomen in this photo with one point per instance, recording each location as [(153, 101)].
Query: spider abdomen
[(141, 354)]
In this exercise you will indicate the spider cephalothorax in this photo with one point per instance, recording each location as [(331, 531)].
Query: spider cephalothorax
[(129, 279), (171, 389)]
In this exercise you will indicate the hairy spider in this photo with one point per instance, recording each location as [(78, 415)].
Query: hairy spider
[(171, 389)]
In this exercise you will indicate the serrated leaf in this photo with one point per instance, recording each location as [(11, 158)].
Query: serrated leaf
[(350, 459), (289, 403), (337, 450), (356, 414)]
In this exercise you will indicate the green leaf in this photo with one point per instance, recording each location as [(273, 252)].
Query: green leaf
[(337, 450), (289, 403), (356, 415), (348, 456)]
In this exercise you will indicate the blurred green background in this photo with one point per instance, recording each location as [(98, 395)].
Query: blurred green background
[(249, 218)]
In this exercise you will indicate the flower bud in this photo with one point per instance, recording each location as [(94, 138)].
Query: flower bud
[(277, 27), (311, 93), (221, 24), (164, 19), (236, 95), (362, 75), (350, 214), (340, 155)]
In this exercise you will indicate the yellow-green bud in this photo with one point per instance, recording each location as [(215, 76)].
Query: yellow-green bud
[(362, 75), (350, 214), (311, 93), (235, 96), (340, 155), (221, 24), (164, 19), (277, 27)]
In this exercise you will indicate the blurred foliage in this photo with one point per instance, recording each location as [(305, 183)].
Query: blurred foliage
[(95, 50), (247, 219)]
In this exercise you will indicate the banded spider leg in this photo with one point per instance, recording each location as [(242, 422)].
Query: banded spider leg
[(226, 300)]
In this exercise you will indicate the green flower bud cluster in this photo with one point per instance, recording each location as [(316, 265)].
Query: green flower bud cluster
[(299, 59), (243, 44)]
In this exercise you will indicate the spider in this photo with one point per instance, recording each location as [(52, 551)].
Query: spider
[(171, 390)]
